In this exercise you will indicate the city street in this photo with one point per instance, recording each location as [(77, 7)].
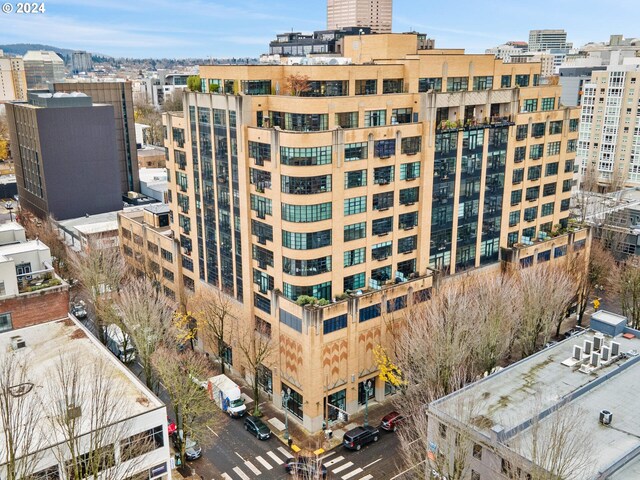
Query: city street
[(237, 455), (231, 453)]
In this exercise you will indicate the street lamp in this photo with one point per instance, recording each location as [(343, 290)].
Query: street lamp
[(285, 403), (367, 392), (9, 206)]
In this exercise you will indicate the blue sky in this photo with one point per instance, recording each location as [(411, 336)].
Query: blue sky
[(212, 28)]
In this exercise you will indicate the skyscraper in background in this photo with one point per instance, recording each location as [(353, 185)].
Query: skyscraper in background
[(360, 13)]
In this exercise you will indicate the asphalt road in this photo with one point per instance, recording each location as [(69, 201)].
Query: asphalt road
[(234, 454)]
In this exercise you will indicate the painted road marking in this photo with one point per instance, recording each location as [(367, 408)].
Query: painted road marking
[(375, 461), (335, 460), (343, 467), (275, 457), (226, 477), (368, 477), (351, 474), (252, 467), (240, 473), (264, 463), (211, 430), (286, 453)]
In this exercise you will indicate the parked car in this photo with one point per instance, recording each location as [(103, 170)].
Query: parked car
[(193, 450), (171, 427), (305, 467), (391, 421), (257, 427), (79, 310), (355, 438), (574, 331)]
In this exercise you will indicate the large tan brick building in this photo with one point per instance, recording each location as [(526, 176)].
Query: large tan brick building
[(379, 173), (376, 14)]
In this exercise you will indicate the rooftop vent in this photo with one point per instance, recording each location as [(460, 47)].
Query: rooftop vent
[(598, 341), (615, 349), (605, 353), (605, 417), (17, 342), (577, 352), (587, 347)]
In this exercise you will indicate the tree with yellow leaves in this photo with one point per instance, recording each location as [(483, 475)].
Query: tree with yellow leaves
[(389, 372)]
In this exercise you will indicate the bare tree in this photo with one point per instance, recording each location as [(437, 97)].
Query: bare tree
[(296, 84), (147, 114), (256, 346), (145, 315), (173, 103), (597, 269), (47, 233), (546, 291), (498, 308), (87, 407), (556, 446), (100, 272), (215, 316), (194, 410), (21, 416), (627, 287)]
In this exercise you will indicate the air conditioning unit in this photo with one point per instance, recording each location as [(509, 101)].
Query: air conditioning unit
[(605, 417), (17, 342)]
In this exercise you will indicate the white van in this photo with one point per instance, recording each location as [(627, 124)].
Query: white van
[(120, 344)]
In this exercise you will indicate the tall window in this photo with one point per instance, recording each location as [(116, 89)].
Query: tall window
[(457, 84), (366, 87), (5, 322), (375, 118), (426, 84)]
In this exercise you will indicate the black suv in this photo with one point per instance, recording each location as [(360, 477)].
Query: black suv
[(306, 468), (257, 427), (359, 436)]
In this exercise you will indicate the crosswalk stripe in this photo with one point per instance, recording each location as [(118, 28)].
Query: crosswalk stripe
[(331, 462), (226, 477), (286, 453), (368, 477), (252, 467), (351, 474), (264, 463), (275, 457), (240, 473), (343, 467)]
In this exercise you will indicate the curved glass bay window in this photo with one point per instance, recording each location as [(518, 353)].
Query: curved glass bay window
[(305, 185), (306, 268), (306, 213)]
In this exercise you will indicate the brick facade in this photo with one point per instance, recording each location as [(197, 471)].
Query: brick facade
[(37, 307)]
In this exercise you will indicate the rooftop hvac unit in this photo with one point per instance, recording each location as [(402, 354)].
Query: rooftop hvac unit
[(17, 343), (605, 353), (615, 349), (605, 417), (595, 359), (587, 347), (577, 352), (597, 342)]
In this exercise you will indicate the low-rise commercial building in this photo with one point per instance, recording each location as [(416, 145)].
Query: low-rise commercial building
[(112, 423), (501, 426)]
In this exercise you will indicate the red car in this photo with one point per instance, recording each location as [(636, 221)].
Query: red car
[(391, 421), (171, 427)]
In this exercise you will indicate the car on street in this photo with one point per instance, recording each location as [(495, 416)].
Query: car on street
[(391, 421), (357, 437), (305, 468), (79, 310), (257, 427), (193, 450)]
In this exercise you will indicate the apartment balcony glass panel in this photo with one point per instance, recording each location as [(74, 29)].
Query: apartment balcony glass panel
[(306, 241), (381, 274)]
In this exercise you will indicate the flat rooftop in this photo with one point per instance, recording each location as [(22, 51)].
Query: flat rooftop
[(28, 246), (64, 340), (521, 391)]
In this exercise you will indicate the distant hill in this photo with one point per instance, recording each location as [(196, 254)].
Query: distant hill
[(22, 48)]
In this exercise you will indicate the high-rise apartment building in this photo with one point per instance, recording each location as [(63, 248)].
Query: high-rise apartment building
[(66, 163), (43, 68), (81, 62), (13, 80), (120, 96), (354, 191), (376, 14), (542, 40), (609, 141)]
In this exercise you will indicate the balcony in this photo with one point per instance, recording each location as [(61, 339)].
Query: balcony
[(473, 123), (34, 281)]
